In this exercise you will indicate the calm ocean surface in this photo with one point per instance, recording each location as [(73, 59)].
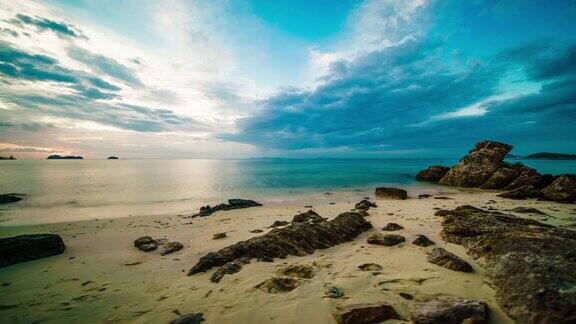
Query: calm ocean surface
[(66, 190)]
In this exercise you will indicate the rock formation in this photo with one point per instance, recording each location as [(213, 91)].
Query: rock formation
[(484, 167), (23, 248), (65, 157), (532, 265), (232, 204), (296, 239)]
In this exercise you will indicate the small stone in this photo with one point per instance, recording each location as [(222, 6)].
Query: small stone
[(392, 227), (443, 258), (386, 240), (364, 205), (171, 247), (334, 292), (218, 236), (365, 313), (370, 267), (278, 285), (422, 240)]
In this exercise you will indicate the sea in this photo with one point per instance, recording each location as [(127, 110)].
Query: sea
[(73, 190)]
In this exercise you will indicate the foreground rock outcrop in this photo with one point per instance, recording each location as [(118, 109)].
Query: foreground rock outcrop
[(532, 265), (232, 204), (484, 167), (29, 247), (297, 239)]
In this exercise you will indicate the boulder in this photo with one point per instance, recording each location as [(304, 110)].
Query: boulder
[(308, 217), (23, 248), (448, 260), (478, 166), (365, 313), (562, 189), (9, 198), (297, 239), (171, 247), (532, 265), (193, 318), (146, 244), (423, 241), (385, 239), (364, 205), (392, 227), (392, 193), (450, 311), (524, 192), (433, 173)]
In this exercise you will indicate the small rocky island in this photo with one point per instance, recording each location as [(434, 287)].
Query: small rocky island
[(64, 157), (550, 156), (7, 158)]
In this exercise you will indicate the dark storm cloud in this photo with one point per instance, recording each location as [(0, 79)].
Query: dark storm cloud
[(105, 65), (61, 29)]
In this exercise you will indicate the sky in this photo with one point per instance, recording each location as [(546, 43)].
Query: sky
[(300, 78)]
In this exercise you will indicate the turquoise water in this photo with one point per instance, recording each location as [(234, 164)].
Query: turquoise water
[(61, 190)]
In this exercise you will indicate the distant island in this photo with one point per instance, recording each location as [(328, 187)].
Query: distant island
[(112, 158), (66, 157), (550, 156), (7, 158)]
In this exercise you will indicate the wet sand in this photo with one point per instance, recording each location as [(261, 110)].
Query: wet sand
[(101, 277)]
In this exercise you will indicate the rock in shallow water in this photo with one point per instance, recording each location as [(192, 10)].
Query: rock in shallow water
[(391, 193), (29, 247), (448, 260), (232, 204), (450, 311), (365, 313)]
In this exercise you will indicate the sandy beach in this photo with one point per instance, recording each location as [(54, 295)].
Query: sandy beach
[(102, 277)]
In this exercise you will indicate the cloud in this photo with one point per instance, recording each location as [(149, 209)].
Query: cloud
[(43, 24)]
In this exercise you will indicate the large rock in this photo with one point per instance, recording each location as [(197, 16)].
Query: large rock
[(532, 265), (298, 239), (433, 173), (29, 247), (478, 166), (365, 313), (392, 193), (448, 260), (562, 189), (450, 311), (9, 198), (526, 177)]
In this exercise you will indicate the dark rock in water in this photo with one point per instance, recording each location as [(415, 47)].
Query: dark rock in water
[(218, 236), (392, 227), (422, 240), (424, 196), (501, 178), (448, 260), (386, 240), (297, 270), (370, 267), (23, 248), (278, 224), (528, 210), (364, 205), (308, 217), (432, 173), (278, 285), (193, 318), (520, 193), (365, 313), (66, 157), (562, 189), (298, 239), (229, 268), (334, 292), (450, 311), (232, 204), (477, 167), (146, 244), (9, 198), (392, 193), (532, 264), (171, 247)]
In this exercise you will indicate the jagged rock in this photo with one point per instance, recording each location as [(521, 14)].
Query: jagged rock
[(450, 311), (229, 268), (527, 177), (520, 193), (433, 173), (171, 247), (422, 240), (23, 248), (146, 244), (9, 198), (297, 270), (296, 239), (448, 260), (308, 217), (278, 285), (528, 210), (278, 224), (232, 204), (392, 193), (532, 264), (562, 189), (365, 313), (334, 292), (365, 205), (477, 167), (218, 236), (386, 240), (501, 178), (392, 227), (193, 318), (370, 267)]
